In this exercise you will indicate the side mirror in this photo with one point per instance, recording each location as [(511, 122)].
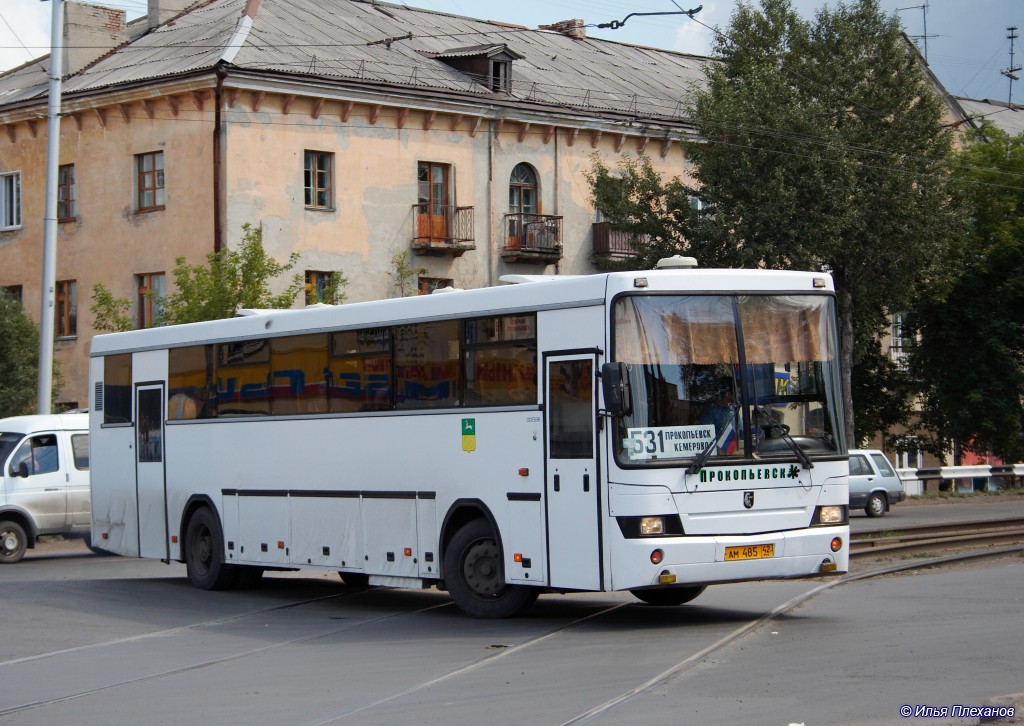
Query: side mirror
[(618, 396), (23, 470)]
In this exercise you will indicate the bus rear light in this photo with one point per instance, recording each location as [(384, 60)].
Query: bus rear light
[(666, 578), (656, 557), (837, 544)]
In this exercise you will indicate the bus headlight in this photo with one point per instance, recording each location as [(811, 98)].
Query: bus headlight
[(831, 514), (652, 526)]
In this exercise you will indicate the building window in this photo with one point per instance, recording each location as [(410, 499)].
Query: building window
[(10, 200), (427, 285), (151, 289), (66, 193), (318, 179), (501, 75), (149, 175), (900, 340), (522, 190), (324, 287), (67, 308), (12, 292)]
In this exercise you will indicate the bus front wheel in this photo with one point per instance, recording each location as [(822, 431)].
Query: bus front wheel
[(669, 596), (204, 553), (473, 575)]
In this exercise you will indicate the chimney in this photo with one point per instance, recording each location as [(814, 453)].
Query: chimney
[(90, 32), (160, 11), (573, 28)]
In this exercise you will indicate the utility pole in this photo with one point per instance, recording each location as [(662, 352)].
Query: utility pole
[(1013, 70), (44, 402)]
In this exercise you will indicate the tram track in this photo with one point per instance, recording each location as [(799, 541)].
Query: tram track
[(930, 538)]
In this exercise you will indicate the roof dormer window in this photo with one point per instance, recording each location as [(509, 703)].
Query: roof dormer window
[(488, 65)]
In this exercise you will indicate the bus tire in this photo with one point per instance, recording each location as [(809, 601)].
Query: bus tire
[(876, 505), (13, 542), (204, 553), (669, 596), (472, 573)]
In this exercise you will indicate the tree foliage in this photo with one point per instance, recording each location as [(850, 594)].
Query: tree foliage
[(110, 314), (231, 280), (821, 148), (19, 359), (970, 343)]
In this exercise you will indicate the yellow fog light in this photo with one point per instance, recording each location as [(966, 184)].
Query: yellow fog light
[(652, 525)]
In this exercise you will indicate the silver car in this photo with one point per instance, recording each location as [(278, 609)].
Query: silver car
[(874, 484)]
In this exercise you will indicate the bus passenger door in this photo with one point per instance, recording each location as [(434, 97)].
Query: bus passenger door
[(572, 477), (150, 486)]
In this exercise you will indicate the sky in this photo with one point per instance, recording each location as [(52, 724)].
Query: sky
[(967, 43)]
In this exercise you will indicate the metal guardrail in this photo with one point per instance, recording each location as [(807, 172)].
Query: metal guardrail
[(915, 481)]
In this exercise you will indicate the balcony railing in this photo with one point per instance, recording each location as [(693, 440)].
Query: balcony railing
[(532, 238), (443, 230), (613, 242)]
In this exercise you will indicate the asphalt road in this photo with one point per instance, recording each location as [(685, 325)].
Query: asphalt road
[(106, 640)]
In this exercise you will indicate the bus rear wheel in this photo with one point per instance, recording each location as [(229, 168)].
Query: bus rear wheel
[(204, 553), (13, 542), (473, 575), (669, 596)]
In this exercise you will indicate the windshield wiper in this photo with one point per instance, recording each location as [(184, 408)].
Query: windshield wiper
[(782, 430), (702, 457)]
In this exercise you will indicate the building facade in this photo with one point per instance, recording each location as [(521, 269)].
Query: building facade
[(351, 131)]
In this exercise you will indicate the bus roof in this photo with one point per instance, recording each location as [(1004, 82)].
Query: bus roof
[(530, 293)]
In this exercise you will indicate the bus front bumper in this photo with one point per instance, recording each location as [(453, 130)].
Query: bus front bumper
[(709, 560)]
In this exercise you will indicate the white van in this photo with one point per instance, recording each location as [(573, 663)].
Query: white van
[(45, 479)]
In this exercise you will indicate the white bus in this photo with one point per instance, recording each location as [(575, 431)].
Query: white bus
[(653, 431)]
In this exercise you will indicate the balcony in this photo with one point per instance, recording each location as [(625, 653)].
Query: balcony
[(612, 247), (535, 238), (443, 230)]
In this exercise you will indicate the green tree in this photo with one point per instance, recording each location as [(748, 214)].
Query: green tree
[(231, 280), (332, 292), (822, 148), (403, 275), (110, 314), (969, 348), (19, 359)]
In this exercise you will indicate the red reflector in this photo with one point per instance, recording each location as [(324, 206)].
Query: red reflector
[(524, 472), (408, 551), (837, 544), (517, 557), (174, 539), (280, 545), (105, 535), (657, 556)]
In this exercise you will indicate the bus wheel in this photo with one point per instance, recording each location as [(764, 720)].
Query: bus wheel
[(472, 572), (204, 553), (669, 596), (12, 542)]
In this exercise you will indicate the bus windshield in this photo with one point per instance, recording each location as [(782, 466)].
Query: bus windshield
[(728, 376)]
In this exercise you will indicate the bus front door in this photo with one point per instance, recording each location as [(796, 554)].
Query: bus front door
[(150, 486), (572, 477)]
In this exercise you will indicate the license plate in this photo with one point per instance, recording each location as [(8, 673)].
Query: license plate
[(754, 552)]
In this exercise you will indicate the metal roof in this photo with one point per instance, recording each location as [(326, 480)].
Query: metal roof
[(354, 42), (999, 113)]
